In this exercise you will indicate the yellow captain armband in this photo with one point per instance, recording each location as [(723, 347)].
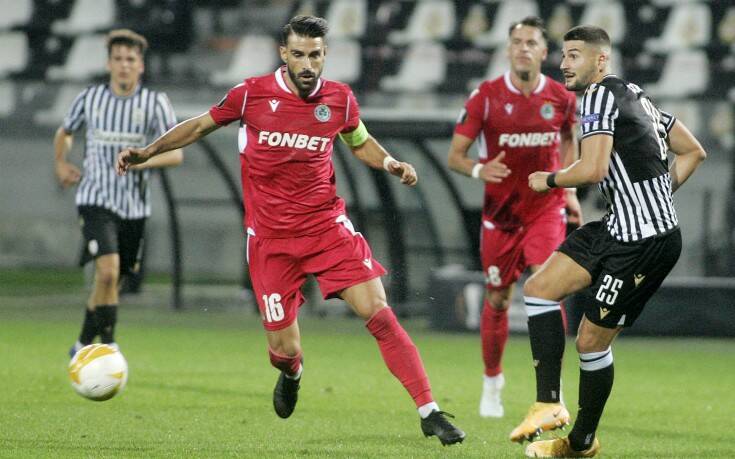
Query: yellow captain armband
[(357, 137)]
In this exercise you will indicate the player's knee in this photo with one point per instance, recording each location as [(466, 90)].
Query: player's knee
[(499, 300), (107, 276), (587, 343), (371, 307), (537, 287)]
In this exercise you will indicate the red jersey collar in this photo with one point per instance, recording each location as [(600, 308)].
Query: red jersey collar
[(513, 89)]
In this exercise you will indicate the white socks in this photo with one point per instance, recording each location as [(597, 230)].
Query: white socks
[(425, 410)]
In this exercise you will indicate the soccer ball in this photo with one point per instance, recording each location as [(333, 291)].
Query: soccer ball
[(98, 372)]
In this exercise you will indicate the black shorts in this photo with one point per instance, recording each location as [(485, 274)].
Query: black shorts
[(105, 233), (624, 274)]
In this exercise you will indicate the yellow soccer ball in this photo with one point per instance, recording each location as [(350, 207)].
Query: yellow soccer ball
[(98, 372)]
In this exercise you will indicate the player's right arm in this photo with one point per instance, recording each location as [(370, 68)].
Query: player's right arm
[(229, 109), (493, 171), (181, 135), (67, 173), (689, 154), (469, 126)]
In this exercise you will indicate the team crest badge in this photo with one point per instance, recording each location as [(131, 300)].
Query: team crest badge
[(322, 113), (547, 111)]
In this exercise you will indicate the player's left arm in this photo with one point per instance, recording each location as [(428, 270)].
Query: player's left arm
[(589, 169), (168, 159), (570, 154), (368, 150), (689, 154)]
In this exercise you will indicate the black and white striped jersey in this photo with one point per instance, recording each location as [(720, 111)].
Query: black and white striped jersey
[(112, 124), (638, 185)]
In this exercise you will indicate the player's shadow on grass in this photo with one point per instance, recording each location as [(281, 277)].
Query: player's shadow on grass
[(242, 392)]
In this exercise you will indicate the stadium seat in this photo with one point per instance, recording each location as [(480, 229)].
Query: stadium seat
[(254, 55), (347, 18), (608, 14), (7, 98), (424, 67), (689, 26), (15, 13), (54, 115), (431, 20), (507, 13), (497, 66), (13, 52), (87, 16), (685, 73), (344, 61), (87, 59)]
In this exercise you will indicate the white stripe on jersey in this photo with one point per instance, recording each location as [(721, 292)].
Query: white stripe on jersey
[(113, 123)]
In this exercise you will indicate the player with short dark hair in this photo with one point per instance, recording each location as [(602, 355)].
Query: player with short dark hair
[(617, 263), (112, 209), (296, 224), (523, 121)]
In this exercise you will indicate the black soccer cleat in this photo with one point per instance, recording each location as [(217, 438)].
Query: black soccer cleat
[(285, 395), (437, 424)]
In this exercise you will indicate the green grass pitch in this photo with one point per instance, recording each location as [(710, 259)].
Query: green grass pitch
[(200, 386)]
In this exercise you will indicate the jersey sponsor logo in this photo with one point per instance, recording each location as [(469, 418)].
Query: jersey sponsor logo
[(119, 138), (293, 140), (508, 108), (274, 104), (322, 113), (528, 139), (547, 111), (591, 118)]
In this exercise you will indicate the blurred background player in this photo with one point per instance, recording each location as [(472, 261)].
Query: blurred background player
[(524, 121), (113, 209), (617, 263), (296, 224)]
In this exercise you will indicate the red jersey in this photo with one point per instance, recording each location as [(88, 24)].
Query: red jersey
[(285, 145), (528, 130)]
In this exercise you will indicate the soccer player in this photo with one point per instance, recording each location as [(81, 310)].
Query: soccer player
[(295, 223), (113, 210), (617, 263), (524, 121)]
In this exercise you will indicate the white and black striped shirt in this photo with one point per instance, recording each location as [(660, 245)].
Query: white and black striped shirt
[(112, 124), (638, 185)]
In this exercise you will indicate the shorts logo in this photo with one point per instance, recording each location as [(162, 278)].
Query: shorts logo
[(604, 312), (368, 262), (547, 111), (322, 113), (638, 278), (93, 247)]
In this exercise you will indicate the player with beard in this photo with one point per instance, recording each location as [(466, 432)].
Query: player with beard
[(296, 224), (523, 121), (618, 263)]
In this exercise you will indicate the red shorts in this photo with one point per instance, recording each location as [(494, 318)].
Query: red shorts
[(506, 254), (338, 258)]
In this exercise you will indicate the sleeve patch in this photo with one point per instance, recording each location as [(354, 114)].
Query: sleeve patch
[(591, 118)]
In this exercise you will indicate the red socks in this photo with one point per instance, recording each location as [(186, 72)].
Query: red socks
[(288, 365), (494, 335), (400, 355)]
